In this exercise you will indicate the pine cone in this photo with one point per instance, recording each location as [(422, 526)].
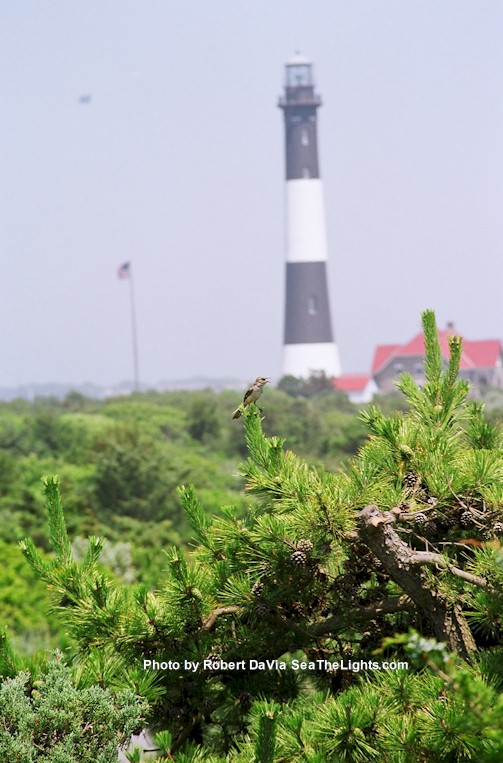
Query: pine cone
[(305, 545), (420, 519), (261, 610), (299, 558), (297, 608), (466, 519), (346, 581), (257, 588), (378, 565), (498, 528), (430, 528), (412, 480), (245, 699), (450, 521)]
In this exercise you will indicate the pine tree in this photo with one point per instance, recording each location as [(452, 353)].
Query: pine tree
[(325, 568)]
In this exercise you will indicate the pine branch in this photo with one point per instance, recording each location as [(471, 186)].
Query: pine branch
[(198, 519), (93, 552), (433, 355), (34, 559), (266, 740), (451, 373), (389, 606), (58, 536), (213, 616), (431, 559)]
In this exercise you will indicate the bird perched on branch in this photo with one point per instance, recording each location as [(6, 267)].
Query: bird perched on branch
[(252, 394)]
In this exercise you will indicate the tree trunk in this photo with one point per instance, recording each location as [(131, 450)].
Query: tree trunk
[(400, 562)]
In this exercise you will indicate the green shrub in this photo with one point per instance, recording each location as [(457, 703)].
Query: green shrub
[(55, 722)]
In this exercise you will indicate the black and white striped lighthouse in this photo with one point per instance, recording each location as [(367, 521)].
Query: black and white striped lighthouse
[(309, 344)]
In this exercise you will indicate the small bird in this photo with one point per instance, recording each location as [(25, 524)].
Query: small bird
[(252, 394)]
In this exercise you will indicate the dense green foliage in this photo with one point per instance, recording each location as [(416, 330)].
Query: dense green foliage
[(25, 604), (120, 463), (53, 721), (396, 556)]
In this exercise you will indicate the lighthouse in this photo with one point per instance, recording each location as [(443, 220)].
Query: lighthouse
[(309, 344)]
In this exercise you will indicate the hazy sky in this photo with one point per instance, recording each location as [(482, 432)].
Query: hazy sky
[(177, 165)]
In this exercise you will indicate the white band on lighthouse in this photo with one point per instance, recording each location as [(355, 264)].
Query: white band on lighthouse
[(306, 239), (301, 360)]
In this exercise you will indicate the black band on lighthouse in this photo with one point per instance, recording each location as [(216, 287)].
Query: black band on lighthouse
[(301, 145), (307, 311), (299, 106)]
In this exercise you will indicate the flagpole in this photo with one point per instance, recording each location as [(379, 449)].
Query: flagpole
[(126, 271), (134, 332)]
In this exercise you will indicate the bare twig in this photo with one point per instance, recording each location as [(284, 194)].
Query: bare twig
[(212, 617)]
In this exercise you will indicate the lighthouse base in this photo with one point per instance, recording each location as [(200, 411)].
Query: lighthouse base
[(303, 360)]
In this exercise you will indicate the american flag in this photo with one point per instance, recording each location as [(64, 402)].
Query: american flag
[(125, 270)]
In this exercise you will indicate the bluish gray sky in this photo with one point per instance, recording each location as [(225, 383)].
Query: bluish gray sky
[(176, 164)]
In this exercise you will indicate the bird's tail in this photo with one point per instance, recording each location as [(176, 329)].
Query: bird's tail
[(237, 413)]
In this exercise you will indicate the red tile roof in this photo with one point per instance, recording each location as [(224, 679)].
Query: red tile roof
[(479, 354), (383, 352), (352, 382), (483, 354)]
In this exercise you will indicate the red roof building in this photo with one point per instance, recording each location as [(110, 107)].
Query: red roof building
[(360, 388), (481, 361)]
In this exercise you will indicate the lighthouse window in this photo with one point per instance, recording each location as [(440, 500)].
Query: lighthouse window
[(304, 138), (312, 305), (305, 172)]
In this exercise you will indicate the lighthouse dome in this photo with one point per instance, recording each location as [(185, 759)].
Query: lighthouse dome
[(298, 60)]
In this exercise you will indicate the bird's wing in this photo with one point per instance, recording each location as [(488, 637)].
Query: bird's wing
[(248, 394)]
